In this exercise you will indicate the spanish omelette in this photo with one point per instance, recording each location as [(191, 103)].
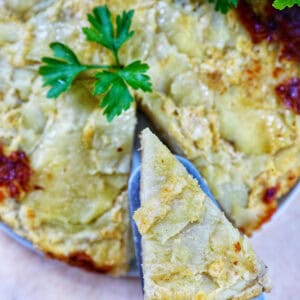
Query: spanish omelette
[(213, 101)]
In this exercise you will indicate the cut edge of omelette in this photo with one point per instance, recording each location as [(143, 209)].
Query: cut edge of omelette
[(82, 220), (190, 250), (215, 102)]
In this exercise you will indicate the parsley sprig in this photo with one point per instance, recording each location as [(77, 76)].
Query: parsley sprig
[(281, 4), (225, 5), (113, 82)]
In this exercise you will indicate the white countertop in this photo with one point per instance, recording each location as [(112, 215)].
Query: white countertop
[(27, 276)]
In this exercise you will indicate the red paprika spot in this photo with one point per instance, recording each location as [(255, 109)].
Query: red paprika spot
[(273, 25), (270, 194), (289, 93), (15, 173)]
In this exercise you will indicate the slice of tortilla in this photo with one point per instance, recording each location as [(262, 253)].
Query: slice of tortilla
[(190, 250)]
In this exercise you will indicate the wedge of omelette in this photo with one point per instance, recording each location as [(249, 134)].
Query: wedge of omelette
[(63, 167), (190, 250)]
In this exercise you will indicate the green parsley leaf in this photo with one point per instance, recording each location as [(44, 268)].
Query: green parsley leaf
[(224, 5), (117, 97), (104, 82), (102, 31), (116, 84), (123, 28), (60, 72), (134, 75), (281, 4)]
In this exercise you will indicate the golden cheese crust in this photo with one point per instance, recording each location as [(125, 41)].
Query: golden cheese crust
[(190, 250), (76, 208)]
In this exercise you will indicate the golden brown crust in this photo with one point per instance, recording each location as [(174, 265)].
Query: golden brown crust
[(83, 260)]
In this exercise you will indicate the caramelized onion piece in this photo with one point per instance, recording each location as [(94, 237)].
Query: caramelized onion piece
[(289, 93), (282, 26)]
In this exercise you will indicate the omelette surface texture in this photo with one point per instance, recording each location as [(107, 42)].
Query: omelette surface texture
[(190, 250), (63, 167), (215, 102)]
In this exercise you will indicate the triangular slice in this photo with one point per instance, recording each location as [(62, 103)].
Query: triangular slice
[(190, 250)]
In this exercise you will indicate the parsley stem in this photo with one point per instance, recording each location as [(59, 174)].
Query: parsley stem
[(117, 58), (102, 67)]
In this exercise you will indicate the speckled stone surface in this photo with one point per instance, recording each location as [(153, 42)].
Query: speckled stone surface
[(27, 276)]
